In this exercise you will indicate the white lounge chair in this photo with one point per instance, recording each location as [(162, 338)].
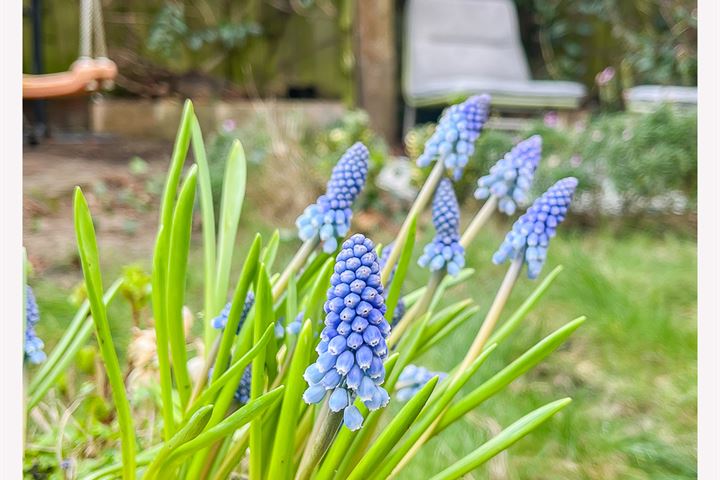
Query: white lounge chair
[(646, 98), (454, 48)]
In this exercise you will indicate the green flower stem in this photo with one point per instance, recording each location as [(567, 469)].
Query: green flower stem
[(327, 425), (478, 221), (421, 201), (233, 456), (476, 349), (294, 266), (418, 309), (493, 314)]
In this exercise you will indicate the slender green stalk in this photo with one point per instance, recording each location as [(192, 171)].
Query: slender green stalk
[(327, 425), (89, 259), (493, 314), (208, 228), (478, 221), (476, 349), (417, 309), (294, 266), (233, 456), (421, 201)]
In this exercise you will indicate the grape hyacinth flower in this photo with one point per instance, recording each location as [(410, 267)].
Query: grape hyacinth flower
[(352, 346), (445, 249), (453, 141), (531, 233), (412, 379), (33, 344), (510, 178), (242, 394), (220, 321), (294, 327), (400, 306), (330, 215)]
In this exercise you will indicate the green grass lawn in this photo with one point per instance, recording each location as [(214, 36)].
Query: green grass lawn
[(631, 368)]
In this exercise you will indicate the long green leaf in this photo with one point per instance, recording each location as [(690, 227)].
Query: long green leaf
[(192, 429), (159, 274), (176, 279), (282, 450), (445, 316), (270, 252), (230, 207), (87, 248), (393, 294), (507, 375), (316, 298), (248, 273), (182, 142), (507, 328), (234, 372), (75, 336), (503, 440), (429, 415), (264, 318), (393, 432), (245, 414), (208, 227), (447, 282), (447, 330)]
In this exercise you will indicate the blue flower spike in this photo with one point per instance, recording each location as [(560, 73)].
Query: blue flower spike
[(220, 321), (510, 178), (412, 379), (453, 141), (352, 346), (34, 352), (329, 217), (445, 250), (242, 394), (531, 233)]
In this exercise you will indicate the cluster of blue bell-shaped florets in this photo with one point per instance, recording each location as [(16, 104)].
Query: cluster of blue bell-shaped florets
[(352, 346), (220, 321), (531, 233), (412, 379), (329, 217), (453, 141), (445, 250), (510, 178), (34, 352), (400, 306)]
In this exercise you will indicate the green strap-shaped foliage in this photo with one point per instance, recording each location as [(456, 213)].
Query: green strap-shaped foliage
[(503, 440), (281, 459), (90, 261), (176, 279)]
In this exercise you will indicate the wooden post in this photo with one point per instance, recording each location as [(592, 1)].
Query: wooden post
[(376, 62)]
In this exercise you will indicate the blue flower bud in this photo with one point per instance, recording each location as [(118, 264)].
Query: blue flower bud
[(531, 233), (510, 178), (445, 250), (220, 321), (453, 140), (329, 217), (412, 379), (352, 418)]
